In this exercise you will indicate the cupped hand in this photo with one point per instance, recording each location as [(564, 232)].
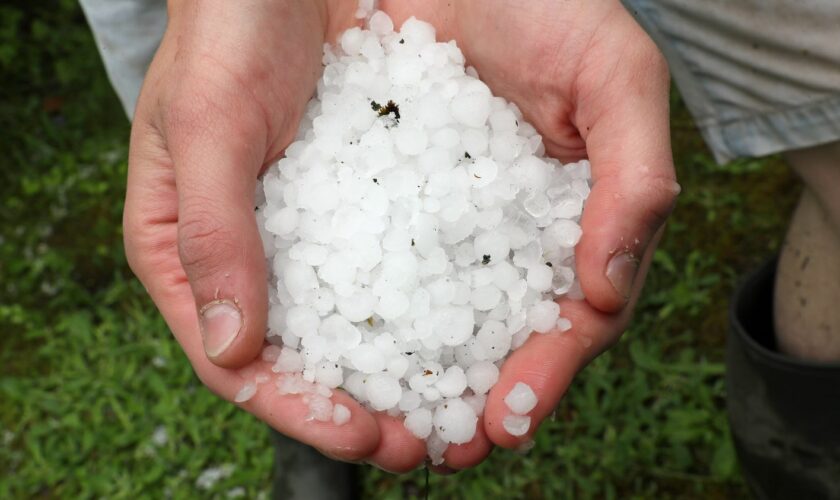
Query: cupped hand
[(222, 99), (595, 86)]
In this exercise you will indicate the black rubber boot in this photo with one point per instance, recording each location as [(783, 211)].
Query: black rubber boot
[(784, 413), (302, 473)]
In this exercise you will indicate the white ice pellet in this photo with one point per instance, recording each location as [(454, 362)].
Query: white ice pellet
[(454, 421), (355, 384), (380, 23), (282, 222), (474, 141), (471, 106), (492, 246), (288, 361), (351, 41), (247, 392), (452, 383), (397, 366), (563, 324), (320, 408), (292, 383), (410, 400), (481, 376), (329, 374), (504, 275), (270, 353), (338, 329), (485, 297), (392, 305), (382, 391), (539, 277), (419, 422), (542, 316), (409, 232), (493, 339), (520, 337), (436, 447), (341, 414), (483, 171), (476, 402), (455, 324), (367, 359), (516, 425), (302, 320), (410, 141), (521, 399), (431, 394)]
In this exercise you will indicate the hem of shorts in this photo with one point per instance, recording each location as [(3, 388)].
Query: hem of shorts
[(781, 130), (792, 127)]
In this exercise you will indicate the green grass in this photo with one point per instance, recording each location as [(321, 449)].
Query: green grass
[(89, 372)]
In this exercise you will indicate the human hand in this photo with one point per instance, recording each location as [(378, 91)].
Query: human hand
[(595, 86), (222, 99)]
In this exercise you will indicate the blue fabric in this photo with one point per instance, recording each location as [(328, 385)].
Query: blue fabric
[(759, 76), (127, 33)]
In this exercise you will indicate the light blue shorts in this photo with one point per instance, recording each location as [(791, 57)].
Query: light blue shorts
[(127, 34), (759, 76)]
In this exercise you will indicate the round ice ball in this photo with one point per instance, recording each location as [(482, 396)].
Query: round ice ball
[(383, 391), (521, 399), (454, 421)]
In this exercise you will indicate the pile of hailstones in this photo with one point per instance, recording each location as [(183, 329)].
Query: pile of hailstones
[(417, 235)]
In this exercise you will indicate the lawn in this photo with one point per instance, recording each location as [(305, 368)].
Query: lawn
[(96, 399)]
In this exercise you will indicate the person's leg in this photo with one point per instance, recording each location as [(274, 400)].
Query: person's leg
[(807, 292), (783, 350)]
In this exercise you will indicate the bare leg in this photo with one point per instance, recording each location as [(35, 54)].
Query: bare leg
[(807, 298)]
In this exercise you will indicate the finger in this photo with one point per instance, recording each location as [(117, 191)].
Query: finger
[(217, 158), (290, 414), (548, 362), (625, 126), (150, 221), (399, 451)]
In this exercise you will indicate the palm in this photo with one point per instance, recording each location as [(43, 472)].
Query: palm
[(579, 71), (219, 96), (223, 98)]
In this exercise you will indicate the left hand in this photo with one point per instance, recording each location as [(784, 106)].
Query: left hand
[(595, 86)]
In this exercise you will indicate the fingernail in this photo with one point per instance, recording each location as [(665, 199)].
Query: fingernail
[(621, 271), (220, 323)]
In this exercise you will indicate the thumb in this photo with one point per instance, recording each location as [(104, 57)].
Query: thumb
[(634, 186), (216, 165)]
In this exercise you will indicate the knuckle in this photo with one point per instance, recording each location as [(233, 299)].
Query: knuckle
[(204, 244), (208, 377), (185, 112), (656, 61), (660, 194), (648, 65), (146, 244)]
